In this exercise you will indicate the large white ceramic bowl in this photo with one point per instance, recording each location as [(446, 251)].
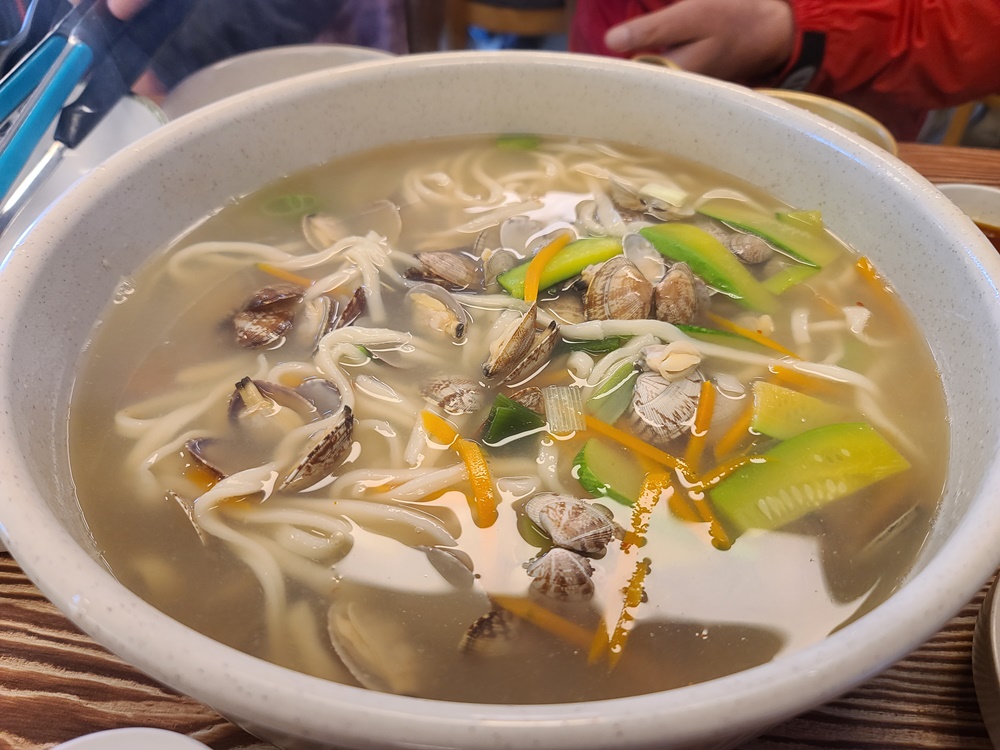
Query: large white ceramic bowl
[(56, 282)]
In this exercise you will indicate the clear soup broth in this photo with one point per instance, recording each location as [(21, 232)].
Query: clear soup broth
[(326, 428)]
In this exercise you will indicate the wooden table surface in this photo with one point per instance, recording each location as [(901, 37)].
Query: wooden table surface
[(57, 684)]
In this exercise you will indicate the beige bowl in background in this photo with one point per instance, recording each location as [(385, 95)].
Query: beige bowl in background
[(240, 73), (844, 115), (57, 281)]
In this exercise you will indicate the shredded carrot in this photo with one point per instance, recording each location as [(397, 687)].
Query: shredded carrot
[(633, 598), (537, 266), (683, 507), (866, 269), (638, 446), (702, 419), (546, 620), (439, 428), (281, 273), (599, 644), (870, 274), (760, 338), (481, 481), (738, 432), (653, 487)]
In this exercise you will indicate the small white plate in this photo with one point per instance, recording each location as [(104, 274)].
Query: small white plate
[(980, 202), (247, 71), (132, 739)]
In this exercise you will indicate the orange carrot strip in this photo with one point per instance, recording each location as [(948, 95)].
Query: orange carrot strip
[(546, 620), (866, 269), (760, 338), (653, 486), (439, 428), (702, 419), (481, 481), (870, 274), (633, 598), (537, 265), (638, 446), (281, 273), (599, 644), (683, 507), (738, 432)]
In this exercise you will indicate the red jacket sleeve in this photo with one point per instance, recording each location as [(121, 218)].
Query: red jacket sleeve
[(895, 59), (898, 58)]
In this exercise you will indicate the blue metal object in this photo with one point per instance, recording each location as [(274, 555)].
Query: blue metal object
[(88, 46)]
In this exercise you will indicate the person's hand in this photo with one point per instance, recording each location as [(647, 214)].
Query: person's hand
[(731, 39), (125, 9)]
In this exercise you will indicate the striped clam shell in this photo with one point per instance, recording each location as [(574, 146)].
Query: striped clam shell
[(618, 291), (562, 574), (266, 315), (453, 394), (661, 409), (572, 523), (491, 635)]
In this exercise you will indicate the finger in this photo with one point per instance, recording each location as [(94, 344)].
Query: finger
[(681, 23), (704, 56), (125, 9)]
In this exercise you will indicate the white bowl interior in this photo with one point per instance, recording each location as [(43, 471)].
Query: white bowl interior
[(54, 285)]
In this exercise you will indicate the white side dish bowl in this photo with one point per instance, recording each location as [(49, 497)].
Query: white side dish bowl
[(240, 73), (55, 283)]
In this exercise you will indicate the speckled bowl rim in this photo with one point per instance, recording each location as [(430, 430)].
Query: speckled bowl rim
[(262, 695)]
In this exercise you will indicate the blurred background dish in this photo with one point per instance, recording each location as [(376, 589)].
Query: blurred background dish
[(986, 664), (247, 71), (838, 113), (132, 739), (981, 203)]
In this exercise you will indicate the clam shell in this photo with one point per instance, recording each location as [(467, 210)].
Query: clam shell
[(440, 309), (675, 296), (451, 269), (323, 230), (618, 291), (572, 523), (566, 309), (647, 258), (749, 248), (324, 455), (530, 397), (562, 574), (454, 394), (266, 315), (517, 230), (536, 356), (661, 410), (199, 448), (353, 310), (491, 635), (496, 263), (279, 394), (375, 649), (511, 345), (625, 197)]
